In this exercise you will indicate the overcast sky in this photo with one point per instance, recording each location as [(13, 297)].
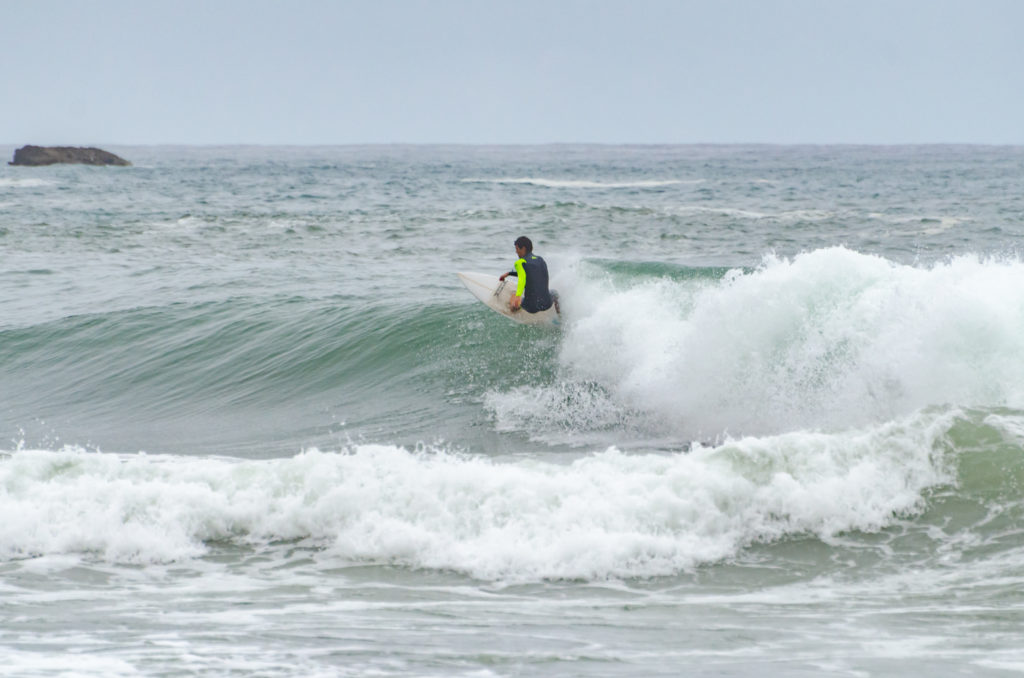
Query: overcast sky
[(511, 71)]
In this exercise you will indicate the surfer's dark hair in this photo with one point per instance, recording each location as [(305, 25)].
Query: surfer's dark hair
[(524, 242)]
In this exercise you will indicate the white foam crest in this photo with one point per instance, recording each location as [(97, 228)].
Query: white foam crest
[(929, 224), (830, 338), (806, 215), (26, 664), (582, 183), (605, 515), (1010, 426), (736, 212), (740, 213), (6, 182)]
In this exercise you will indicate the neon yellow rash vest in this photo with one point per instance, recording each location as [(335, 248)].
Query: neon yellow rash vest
[(532, 283)]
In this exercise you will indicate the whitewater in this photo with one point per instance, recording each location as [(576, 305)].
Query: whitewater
[(253, 425)]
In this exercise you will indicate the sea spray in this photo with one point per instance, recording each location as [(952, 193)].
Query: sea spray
[(831, 338)]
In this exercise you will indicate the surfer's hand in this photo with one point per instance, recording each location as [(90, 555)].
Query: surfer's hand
[(514, 302), (502, 276)]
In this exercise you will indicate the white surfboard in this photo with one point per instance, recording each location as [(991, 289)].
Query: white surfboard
[(497, 293)]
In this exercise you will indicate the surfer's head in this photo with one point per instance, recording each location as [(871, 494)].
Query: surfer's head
[(523, 243)]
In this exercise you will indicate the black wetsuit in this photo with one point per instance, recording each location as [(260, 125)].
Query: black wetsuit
[(533, 283)]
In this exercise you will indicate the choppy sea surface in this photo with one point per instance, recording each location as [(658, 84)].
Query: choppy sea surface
[(252, 425)]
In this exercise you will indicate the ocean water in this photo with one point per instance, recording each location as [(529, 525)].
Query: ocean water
[(252, 425)]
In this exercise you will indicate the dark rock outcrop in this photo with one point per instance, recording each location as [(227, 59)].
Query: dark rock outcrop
[(52, 155)]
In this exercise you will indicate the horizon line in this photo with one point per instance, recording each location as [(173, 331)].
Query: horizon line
[(610, 144)]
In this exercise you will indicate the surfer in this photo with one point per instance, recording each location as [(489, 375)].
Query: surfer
[(532, 294)]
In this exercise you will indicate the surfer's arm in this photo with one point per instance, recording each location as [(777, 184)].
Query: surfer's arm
[(520, 273)]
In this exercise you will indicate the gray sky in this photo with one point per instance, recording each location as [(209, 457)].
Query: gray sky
[(511, 71)]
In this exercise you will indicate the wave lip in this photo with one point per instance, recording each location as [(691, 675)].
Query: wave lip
[(605, 515)]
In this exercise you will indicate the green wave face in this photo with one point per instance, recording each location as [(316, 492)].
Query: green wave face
[(244, 369)]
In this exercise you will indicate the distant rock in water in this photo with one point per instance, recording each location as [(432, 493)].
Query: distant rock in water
[(52, 155)]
